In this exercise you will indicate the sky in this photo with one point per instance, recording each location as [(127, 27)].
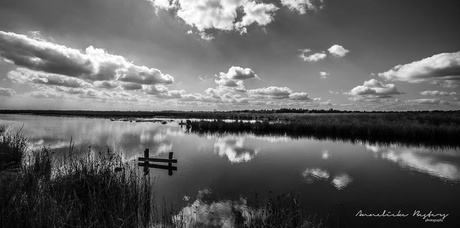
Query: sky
[(229, 54)]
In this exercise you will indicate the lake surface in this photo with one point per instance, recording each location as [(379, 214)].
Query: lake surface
[(336, 180)]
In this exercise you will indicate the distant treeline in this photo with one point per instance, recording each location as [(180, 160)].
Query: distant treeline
[(236, 114)]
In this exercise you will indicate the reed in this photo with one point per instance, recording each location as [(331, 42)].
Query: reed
[(12, 148), (420, 130), (93, 190)]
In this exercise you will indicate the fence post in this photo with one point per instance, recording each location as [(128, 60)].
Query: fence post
[(146, 162), (170, 171)]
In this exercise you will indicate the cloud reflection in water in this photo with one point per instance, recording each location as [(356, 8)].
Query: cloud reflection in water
[(212, 214), (422, 160), (312, 174), (233, 148), (341, 181)]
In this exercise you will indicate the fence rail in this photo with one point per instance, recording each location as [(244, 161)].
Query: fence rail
[(146, 162)]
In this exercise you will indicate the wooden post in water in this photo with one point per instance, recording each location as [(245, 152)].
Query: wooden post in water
[(146, 162), (170, 171)]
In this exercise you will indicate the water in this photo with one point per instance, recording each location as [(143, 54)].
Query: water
[(335, 179)]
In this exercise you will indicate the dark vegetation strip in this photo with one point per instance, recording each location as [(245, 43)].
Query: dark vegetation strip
[(289, 114), (100, 190), (424, 129)]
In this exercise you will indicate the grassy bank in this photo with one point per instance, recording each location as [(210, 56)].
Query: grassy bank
[(421, 129), (94, 190), (98, 189)]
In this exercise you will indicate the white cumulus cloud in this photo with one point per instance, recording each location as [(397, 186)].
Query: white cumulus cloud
[(443, 69), (92, 64), (323, 74), (313, 57), (302, 6), (235, 76), (338, 51), (375, 87), (225, 15)]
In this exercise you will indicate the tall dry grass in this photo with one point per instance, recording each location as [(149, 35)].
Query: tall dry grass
[(92, 190)]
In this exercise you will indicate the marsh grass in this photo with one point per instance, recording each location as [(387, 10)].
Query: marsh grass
[(93, 190), (285, 210), (418, 130), (12, 148)]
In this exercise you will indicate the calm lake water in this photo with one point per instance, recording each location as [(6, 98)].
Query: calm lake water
[(335, 179)]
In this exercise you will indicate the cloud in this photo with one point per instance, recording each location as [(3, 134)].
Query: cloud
[(430, 101), (302, 6), (333, 92), (437, 93), (161, 91), (46, 94), (239, 73), (92, 64), (23, 75), (131, 86), (373, 90), (324, 74), (106, 84), (299, 96), (273, 92), (7, 92), (443, 69), (219, 14), (338, 51), (311, 58), (229, 83), (155, 89), (335, 50), (60, 92), (235, 76), (256, 12), (144, 75)]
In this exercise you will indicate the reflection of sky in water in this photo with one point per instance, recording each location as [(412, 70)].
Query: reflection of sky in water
[(233, 148), (311, 174), (339, 181), (130, 138), (423, 160), (201, 213)]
